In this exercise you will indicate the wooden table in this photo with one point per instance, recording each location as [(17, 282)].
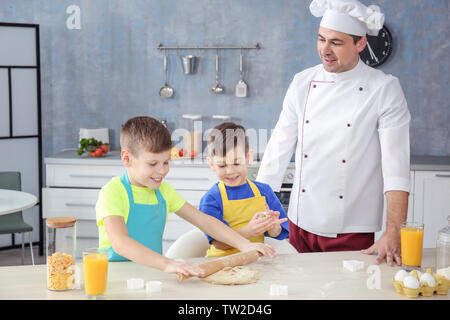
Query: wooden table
[(308, 275), (13, 201)]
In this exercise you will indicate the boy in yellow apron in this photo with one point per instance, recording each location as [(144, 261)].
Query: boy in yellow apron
[(249, 207), (132, 210)]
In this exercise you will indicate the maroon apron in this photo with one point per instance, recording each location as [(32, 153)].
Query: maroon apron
[(305, 241)]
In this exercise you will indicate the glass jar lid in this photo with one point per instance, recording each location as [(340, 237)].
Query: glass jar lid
[(60, 222)]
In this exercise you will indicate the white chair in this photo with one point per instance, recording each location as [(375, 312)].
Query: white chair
[(280, 246), (193, 244)]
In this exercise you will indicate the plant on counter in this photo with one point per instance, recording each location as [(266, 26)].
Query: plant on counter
[(94, 148)]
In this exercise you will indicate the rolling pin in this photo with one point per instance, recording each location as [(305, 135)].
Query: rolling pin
[(237, 259)]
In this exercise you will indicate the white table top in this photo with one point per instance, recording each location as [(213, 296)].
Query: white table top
[(308, 276), (13, 201)]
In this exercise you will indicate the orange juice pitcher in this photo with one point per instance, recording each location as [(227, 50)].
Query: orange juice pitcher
[(95, 271), (411, 244)]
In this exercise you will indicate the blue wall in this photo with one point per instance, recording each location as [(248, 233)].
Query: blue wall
[(110, 70)]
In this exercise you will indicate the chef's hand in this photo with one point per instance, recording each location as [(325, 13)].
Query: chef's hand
[(184, 268), (387, 247)]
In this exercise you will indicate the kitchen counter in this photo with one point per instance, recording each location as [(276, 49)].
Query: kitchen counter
[(308, 275), (111, 158), (430, 163), (425, 163)]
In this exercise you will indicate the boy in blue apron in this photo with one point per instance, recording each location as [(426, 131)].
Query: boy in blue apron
[(249, 207), (131, 210)]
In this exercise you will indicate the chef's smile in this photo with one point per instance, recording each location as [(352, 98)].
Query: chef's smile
[(328, 61)]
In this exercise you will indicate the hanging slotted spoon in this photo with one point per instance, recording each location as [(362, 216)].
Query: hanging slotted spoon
[(166, 91), (241, 87)]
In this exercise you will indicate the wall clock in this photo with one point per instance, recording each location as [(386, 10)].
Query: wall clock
[(378, 48)]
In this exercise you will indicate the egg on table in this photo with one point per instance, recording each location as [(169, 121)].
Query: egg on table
[(411, 282), (400, 275), (428, 279), (419, 274)]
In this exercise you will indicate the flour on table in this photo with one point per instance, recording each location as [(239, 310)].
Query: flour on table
[(233, 276)]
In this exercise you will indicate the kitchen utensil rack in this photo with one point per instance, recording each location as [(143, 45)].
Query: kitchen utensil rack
[(256, 46)]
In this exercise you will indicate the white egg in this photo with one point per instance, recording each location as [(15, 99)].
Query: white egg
[(428, 279), (419, 274), (400, 275), (411, 282)]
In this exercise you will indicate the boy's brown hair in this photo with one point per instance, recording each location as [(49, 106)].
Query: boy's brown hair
[(225, 137), (146, 133)]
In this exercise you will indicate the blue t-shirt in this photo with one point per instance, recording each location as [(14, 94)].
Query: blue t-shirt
[(211, 203)]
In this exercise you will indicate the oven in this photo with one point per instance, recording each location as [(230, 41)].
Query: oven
[(286, 186)]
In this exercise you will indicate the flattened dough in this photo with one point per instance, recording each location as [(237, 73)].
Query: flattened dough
[(233, 276)]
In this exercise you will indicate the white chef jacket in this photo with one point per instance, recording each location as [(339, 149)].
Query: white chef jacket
[(350, 133)]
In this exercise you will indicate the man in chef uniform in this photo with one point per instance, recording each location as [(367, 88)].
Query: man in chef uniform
[(349, 127)]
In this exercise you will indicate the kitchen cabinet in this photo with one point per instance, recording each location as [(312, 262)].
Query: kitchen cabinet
[(431, 203)]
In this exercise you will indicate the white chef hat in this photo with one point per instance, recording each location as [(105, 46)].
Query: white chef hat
[(348, 16)]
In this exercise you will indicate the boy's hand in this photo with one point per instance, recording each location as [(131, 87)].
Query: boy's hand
[(262, 248), (185, 268), (259, 224), (275, 225)]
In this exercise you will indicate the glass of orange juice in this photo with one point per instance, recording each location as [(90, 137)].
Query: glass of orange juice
[(411, 243), (95, 271)]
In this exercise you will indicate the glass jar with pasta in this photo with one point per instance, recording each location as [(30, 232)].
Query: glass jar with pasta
[(61, 247)]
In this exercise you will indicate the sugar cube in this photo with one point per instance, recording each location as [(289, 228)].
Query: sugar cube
[(135, 283), (353, 265), (278, 290), (153, 286)]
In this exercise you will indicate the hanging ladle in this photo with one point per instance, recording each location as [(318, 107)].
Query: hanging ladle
[(217, 88), (166, 91)]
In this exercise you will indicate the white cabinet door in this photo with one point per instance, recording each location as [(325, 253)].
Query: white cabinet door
[(432, 203), (81, 176), (78, 203), (191, 178)]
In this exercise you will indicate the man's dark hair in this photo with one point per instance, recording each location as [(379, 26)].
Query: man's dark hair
[(356, 38)]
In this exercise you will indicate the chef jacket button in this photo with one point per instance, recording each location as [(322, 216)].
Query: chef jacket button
[(307, 121), (343, 161), (306, 156), (348, 124), (341, 197), (303, 190), (314, 86), (360, 88)]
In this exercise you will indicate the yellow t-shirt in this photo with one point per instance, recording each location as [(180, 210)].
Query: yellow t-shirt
[(113, 201)]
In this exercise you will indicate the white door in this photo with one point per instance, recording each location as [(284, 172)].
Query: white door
[(19, 113)]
